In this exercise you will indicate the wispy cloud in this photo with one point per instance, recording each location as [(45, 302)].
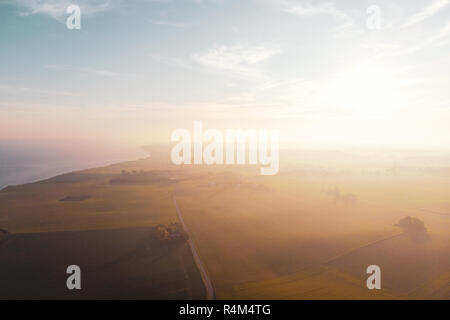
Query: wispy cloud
[(429, 11), (241, 59), (314, 10), (440, 37), (33, 91), (171, 61), (167, 23), (90, 71), (317, 9), (57, 8), (437, 39)]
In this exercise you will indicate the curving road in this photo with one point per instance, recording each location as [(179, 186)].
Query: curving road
[(210, 291)]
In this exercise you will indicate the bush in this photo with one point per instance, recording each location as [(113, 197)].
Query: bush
[(171, 233)]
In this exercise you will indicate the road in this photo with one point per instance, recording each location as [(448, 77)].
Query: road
[(210, 291)]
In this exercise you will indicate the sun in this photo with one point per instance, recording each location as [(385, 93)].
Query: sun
[(364, 103), (365, 89)]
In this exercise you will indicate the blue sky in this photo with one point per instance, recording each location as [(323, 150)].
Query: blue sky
[(139, 69)]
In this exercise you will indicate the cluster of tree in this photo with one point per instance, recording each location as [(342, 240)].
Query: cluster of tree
[(3, 234), (412, 224), (171, 233), (126, 173), (414, 228), (346, 199), (141, 177), (75, 198)]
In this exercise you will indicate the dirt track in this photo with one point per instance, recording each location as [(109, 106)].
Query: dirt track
[(210, 292)]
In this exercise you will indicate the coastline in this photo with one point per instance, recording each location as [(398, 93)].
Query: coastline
[(38, 173)]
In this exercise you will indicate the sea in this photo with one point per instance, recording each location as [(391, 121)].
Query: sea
[(30, 161)]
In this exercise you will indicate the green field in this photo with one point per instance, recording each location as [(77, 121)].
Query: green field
[(115, 264), (104, 226), (303, 234)]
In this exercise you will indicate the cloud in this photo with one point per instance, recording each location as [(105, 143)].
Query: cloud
[(317, 9), (241, 59), (435, 39), (103, 73), (171, 61), (311, 11), (427, 12), (18, 90), (169, 23), (439, 38), (57, 8)]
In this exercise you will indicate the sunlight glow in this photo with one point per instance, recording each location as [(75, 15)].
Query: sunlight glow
[(366, 89)]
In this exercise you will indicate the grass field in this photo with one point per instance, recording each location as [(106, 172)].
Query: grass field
[(258, 235), (115, 264), (86, 219), (305, 233), (315, 283), (37, 207)]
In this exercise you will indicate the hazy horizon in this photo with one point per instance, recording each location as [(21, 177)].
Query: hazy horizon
[(315, 70), (225, 149)]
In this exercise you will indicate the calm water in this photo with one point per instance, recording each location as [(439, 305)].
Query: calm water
[(24, 162)]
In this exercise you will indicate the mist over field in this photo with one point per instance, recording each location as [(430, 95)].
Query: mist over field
[(219, 149), (308, 232)]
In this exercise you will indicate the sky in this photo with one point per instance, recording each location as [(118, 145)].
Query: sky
[(320, 72)]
